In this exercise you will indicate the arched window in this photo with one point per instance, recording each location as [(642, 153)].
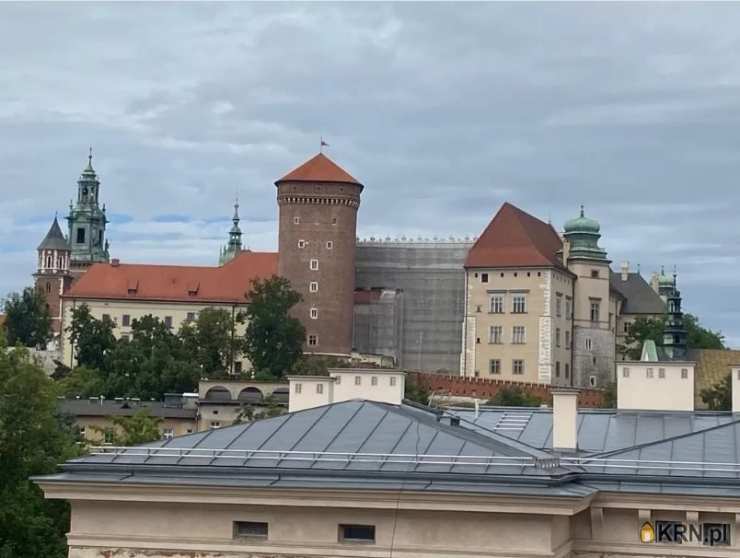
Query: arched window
[(48, 287), (49, 261)]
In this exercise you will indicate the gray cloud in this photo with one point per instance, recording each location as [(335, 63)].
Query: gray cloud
[(450, 109)]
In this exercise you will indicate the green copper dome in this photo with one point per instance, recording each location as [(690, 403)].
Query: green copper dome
[(582, 224)]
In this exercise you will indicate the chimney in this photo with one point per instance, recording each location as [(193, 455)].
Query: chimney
[(735, 388), (625, 269), (564, 419)]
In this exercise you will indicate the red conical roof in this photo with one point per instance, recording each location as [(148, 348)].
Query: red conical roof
[(319, 169), (514, 238)]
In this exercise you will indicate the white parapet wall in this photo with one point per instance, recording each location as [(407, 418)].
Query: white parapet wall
[(655, 386), (343, 384)]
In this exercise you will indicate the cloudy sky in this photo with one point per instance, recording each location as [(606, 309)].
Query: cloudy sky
[(448, 110)]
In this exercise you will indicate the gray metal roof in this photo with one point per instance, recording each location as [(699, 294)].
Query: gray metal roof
[(599, 430), (111, 407), (640, 298), (54, 239)]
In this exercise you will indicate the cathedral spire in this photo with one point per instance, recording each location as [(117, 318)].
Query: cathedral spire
[(234, 245)]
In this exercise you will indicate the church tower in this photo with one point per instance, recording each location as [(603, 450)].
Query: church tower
[(232, 249), (87, 223), (318, 205), (53, 277), (593, 350), (674, 332)]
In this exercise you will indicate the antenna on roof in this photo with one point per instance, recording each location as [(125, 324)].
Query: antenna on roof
[(322, 145)]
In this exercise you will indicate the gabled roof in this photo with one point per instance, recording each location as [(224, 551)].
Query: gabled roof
[(54, 239), (514, 238), (639, 296), (319, 169), (229, 283)]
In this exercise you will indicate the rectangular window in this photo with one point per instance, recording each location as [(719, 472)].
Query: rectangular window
[(567, 369), (625, 372), (588, 344), (191, 316), (595, 273), (168, 322), (557, 336), (557, 369), (519, 304), (319, 388), (393, 380), (517, 367), (106, 317), (496, 335), (238, 367), (649, 373), (595, 307), (558, 304), (314, 313), (684, 373), (313, 286), (126, 320), (494, 366), (567, 307), (168, 433), (298, 388), (374, 381), (497, 304), (518, 336), (484, 277), (313, 265), (358, 380), (301, 243), (80, 236), (357, 534), (296, 220), (250, 530), (329, 244), (567, 340), (337, 380), (661, 373), (313, 340)]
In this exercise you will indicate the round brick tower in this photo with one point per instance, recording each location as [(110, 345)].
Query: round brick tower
[(318, 204)]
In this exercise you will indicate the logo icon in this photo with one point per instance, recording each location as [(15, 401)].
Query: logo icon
[(647, 533)]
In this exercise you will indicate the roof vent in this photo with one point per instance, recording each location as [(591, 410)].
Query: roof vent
[(193, 288), (115, 262)]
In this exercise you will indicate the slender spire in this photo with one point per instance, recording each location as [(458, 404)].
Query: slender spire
[(581, 210)]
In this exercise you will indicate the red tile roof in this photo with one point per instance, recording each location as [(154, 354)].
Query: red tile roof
[(319, 169), (229, 283), (514, 238)]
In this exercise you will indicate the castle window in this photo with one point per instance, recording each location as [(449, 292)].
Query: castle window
[(358, 380), (313, 264), (80, 235), (298, 388), (296, 220), (48, 287), (313, 286), (484, 277), (661, 373), (319, 388), (649, 373), (190, 317), (595, 273), (595, 307), (393, 380), (333, 220), (567, 308), (518, 335), (557, 337), (374, 381), (496, 335), (567, 340), (592, 381), (494, 366), (250, 530), (329, 244), (519, 304), (567, 369), (357, 534), (557, 369), (313, 340), (168, 322), (625, 372), (49, 261), (518, 367), (497, 304), (301, 243), (588, 344), (314, 313), (558, 304), (684, 373)]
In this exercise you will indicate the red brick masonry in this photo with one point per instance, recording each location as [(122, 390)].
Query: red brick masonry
[(486, 389)]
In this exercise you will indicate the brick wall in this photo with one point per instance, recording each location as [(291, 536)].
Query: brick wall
[(484, 388)]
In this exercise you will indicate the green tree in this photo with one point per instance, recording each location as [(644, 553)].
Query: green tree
[(139, 428), (273, 340), (83, 382), (719, 396), (92, 339), (211, 340), (33, 439), (415, 390), (27, 319), (699, 337), (514, 396)]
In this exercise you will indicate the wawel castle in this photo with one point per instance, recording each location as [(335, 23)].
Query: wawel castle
[(521, 302)]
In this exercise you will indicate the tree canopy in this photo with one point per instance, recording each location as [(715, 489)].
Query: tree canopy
[(719, 396), (642, 329), (27, 319), (210, 340), (33, 439), (139, 428), (274, 339), (92, 339)]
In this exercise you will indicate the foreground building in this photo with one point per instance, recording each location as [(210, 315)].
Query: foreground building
[(367, 478)]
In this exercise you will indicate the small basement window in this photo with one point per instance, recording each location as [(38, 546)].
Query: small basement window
[(357, 534), (250, 529)]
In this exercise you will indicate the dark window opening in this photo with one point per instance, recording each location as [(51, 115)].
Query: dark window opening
[(484, 277), (250, 529), (80, 236), (357, 533), (126, 320), (168, 322)]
